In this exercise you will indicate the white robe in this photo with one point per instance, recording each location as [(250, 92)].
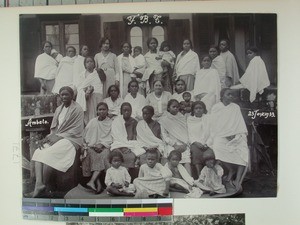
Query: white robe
[(45, 67), (187, 64), (231, 66), (219, 64), (137, 105)]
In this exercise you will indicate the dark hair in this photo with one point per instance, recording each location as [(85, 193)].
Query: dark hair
[(215, 47), (187, 39), (153, 151), (125, 104), (68, 89), (161, 81), (130, 47), (102, 41), (115, 153), (186, 92), (150, 39), (181, 81), (89, 57), (226, 40), (139, 48), (223, 92), (164, 44), (81, 47), (130, 82), (150, 108), (176, 153), (102, 103), (43, 44), (113, 86), (198, 103), (208, 154), (254, 49), (205, 55), (170, 102), (71, 47)]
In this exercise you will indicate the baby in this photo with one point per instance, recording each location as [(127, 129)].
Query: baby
[(186, 105)]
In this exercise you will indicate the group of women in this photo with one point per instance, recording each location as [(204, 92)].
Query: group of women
[(140, 111)]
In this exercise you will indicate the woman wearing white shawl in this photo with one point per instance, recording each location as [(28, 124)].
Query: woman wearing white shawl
[(186, 65), (45, 69), (175, 133), (218, 64), (232, 71), (136, 100), (153, 70), (97, 141), (255, 78), (229, 133), (199, 134), (90, 89), (207, 84), (124, 134), (78, 66), (127, 65), (65, 71)]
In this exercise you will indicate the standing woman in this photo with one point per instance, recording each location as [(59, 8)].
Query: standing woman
[(232, 71), (45, 69), (57, 150), (154, 70), (187, 64), (79, 67), (127, 65), (229, 133), (158, 99), (65, 70), (107, 61), (218, 64)]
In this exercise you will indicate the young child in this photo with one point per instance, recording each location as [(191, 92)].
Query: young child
[(186, 105), (139, 68), (166, 55), (179, 89), (117, 178), (153, 180), (181, 181), (210, 179)]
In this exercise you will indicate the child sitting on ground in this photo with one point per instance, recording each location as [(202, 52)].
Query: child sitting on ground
[(153, 180), (186, 105), (210, 179), (117, 178), (181, 180)]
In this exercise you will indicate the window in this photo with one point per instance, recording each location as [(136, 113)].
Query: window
[(159, 33), (136, 36), (61, 35)]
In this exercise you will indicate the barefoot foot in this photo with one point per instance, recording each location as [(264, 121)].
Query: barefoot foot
[(91, 185), (38, 190)]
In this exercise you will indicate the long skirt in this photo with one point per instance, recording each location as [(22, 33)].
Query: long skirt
[(91, 106), (59, 156), (196, 155), (110, 80)]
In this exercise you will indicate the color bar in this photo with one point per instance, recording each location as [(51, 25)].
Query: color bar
[(38, 209), (70, 209), (110, 210), (165, 211), (140, 210), (140, 214), (106, 214)]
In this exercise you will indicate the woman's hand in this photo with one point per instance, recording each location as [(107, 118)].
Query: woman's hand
[(117, 83), (53, 138)]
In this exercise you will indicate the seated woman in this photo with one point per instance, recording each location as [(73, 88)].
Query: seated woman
[(124, 136), (89, 90), (113, 101), (149, 133), (229, 133), (199, 134), (175, 133), (158, 99), (136, 100), (58, 150), (255, 78), (97, 141)]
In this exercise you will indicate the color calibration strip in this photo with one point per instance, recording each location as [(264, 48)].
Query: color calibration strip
[(98, 210)]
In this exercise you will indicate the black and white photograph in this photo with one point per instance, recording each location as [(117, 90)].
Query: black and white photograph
[(149, 105)]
